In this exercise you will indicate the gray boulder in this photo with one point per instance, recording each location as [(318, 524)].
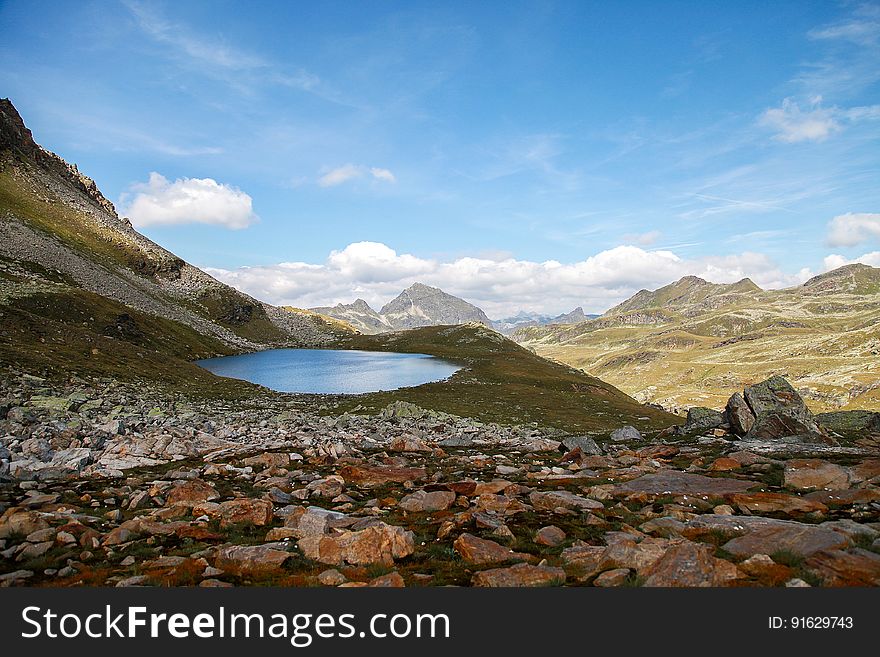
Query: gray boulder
[(626, 434), (586, 444), (780, 412), (739, 415), (702, 419)]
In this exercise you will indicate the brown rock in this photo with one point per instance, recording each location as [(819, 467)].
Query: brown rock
[(268, 460), (801, 540), (777, 502), (408, 444), (331, 577), (844, 497), (368, 475), (15, 521), (252, 560), (391, 580), (689, 564), (626, 552), (245, 511), (422, 501), (562, 499), (675, 482), (583, 561), (866, 470), (761, 566), (612, 578), (550, 535), (191, 492), (378, 543), (724, 464), (481, 552), (838, 568), (806, 474), (520, 575)]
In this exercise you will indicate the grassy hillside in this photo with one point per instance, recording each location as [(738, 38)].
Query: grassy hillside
[(823, 336), (505, 383)]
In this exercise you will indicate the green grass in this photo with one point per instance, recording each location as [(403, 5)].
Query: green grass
[(505, 383)]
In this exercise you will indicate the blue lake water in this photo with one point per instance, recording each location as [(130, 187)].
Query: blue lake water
[(329, 371)]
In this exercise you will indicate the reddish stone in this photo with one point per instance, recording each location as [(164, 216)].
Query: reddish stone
[(368, 475), (520, 575), (480, 552), (191, 493)]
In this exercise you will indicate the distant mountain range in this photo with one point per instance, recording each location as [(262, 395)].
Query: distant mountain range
[(423, 305), (690, 342), (526, 320)]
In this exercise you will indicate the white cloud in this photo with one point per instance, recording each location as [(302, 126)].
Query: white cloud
[(501, 287), (793, 124), (853, 228), (160, 202), (834, 260), (348, 172), (339, 175), (382, 174)]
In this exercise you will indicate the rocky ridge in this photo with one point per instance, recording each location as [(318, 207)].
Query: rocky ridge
[(61, 241)]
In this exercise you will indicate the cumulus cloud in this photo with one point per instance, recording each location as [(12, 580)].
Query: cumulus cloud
[(348, 172), (160, 202), (853, 228), (834, 260), (501, 287)]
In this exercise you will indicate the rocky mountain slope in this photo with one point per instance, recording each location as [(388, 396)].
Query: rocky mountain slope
[(357, 314), (690, 342), (109, 485), (418, 305), (81, 288)]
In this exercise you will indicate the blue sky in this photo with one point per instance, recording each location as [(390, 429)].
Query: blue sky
[(524, 155)]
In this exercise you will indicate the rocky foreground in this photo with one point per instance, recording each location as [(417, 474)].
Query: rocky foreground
[(104, 483)]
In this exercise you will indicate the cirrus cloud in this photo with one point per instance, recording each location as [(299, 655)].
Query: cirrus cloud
[(160, 202), (348, 172), (501, 287)]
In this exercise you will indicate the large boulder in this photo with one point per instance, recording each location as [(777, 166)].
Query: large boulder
[(688, 564), (626, 434), (739, 415), (586, 444), (422, 501), (379, 543), (702, 419), (780, 412)]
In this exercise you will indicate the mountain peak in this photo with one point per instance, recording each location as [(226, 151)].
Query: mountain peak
[(855, 278), (16, 137)]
